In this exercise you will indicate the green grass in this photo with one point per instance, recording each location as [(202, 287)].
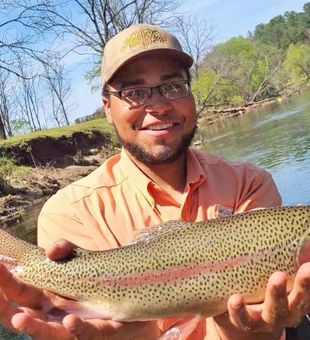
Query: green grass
[(100, 124), (9, 168)]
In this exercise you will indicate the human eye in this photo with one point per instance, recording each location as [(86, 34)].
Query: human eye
[(174, 89), (135, 95)]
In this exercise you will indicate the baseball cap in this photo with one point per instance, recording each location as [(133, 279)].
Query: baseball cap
[(137, 40)]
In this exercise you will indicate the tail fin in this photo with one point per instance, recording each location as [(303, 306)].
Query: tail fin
[(13, 250)]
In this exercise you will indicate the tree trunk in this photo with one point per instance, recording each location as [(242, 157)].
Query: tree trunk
[(2, 131)]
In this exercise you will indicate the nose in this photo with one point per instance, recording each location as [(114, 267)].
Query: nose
[(157, 104)]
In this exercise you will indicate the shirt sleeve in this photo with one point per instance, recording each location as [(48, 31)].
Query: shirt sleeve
[(258, 190), (58, 220)]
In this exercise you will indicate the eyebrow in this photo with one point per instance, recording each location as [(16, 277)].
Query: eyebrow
[(171, 76), (133, 82)]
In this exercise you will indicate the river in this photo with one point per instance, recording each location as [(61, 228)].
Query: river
[(275, 137)]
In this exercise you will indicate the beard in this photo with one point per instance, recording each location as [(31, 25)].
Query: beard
[(167, 155)]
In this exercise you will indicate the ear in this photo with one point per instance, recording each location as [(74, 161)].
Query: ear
[(106, 101)]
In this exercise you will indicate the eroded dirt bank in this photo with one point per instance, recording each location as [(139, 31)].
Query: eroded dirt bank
[(54, 164)]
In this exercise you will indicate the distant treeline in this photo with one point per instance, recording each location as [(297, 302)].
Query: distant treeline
[(271, 61)]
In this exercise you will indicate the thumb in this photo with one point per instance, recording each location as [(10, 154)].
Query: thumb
[(60, 249)]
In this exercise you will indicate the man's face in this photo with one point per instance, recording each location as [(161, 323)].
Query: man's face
[(161, 130)]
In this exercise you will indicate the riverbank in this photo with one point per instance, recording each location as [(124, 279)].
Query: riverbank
[(25, 191), (33, 167), (213, 114)]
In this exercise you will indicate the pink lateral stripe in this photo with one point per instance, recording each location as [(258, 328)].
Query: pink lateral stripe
[(178, 273)]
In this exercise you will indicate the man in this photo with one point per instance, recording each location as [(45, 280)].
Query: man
[(157, 177)]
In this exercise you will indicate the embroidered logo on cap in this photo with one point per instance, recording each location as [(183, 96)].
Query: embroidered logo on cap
[(144, 38)]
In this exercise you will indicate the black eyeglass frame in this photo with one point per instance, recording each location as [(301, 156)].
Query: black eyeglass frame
[(119, 93)]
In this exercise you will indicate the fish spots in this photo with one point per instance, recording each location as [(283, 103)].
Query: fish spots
[(191, 268)]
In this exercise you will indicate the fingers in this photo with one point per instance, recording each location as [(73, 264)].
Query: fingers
[(264, 320), (6, 312), (266, 317), (275, 308), (40, 330), (86, 330), (105, 329), (267, 320), (96, 328), (19, 292), (238, 313), (299, 297), (60, 249)]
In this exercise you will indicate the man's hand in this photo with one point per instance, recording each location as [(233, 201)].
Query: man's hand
[(24, 309), (267, 320)]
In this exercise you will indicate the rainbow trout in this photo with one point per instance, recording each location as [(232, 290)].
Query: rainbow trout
[(175, 268)]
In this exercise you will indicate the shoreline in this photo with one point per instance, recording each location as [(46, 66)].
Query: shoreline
[(212, 115)]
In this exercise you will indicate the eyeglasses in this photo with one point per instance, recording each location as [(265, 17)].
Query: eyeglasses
[(141, 95)]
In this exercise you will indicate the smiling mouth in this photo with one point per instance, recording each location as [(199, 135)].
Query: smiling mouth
[(159, 127)]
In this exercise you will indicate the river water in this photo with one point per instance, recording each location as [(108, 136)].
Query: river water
[(275, 137)]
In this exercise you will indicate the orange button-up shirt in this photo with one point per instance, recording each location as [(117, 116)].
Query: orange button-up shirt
[(104, 209)]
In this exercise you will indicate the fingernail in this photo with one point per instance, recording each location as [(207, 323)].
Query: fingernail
[(237, 306)]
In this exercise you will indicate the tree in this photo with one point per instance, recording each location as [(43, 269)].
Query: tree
[(213, 85), (236, 72), (27, 97), (5, 105), (88, 24), (196, 38), (35, 31), (297, 63), (19, 39), (283, 30), (59, 88), (234, 60), (17, 35)]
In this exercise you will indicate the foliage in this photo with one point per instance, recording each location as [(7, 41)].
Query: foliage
[(283, 30), (275, 59), (242, 70), (297, 63)]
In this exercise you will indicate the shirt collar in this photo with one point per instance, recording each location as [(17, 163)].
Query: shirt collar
[(137, 177), (129, 170), (195, 173)]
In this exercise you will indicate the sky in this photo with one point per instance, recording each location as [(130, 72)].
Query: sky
[(228, 18)]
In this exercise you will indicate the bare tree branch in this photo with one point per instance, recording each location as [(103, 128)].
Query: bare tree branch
[(196, 38)]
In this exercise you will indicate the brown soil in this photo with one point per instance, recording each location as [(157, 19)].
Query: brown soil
[(62, 151), (19, 194)]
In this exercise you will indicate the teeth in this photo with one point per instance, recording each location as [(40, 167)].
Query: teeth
[(160, 126)]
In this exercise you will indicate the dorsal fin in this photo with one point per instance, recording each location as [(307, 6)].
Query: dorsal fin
[(79, 252), (150, 233)]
